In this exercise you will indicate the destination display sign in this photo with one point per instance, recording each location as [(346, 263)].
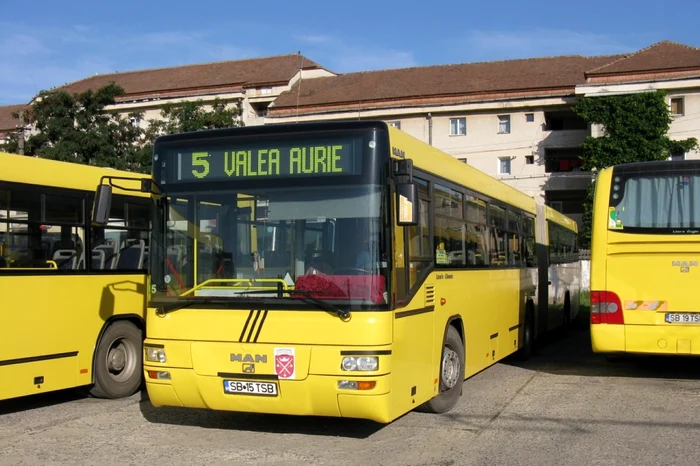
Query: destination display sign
[(271, 159)]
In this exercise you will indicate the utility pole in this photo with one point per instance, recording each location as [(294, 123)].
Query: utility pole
[(20, 139)]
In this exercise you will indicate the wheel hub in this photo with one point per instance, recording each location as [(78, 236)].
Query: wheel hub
[(117, 359), (450, 368), (121, 360)]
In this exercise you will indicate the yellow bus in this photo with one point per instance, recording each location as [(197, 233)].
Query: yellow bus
[(384, 272), (72, 296), (645, 250)]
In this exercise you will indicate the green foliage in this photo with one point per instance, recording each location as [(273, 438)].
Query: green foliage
[(635, 128), (78, 128), (585, 232), (185, 117)]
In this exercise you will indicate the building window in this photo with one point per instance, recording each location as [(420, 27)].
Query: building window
[(529, 159), (677, 106), (677, 156), (265, 90), (504, 165), (566, 201), (556, 205), (462, 159), (458, 126), (529, 117), (260, 108), (395, 124), (503, 124), (563, 160), (563, 121)]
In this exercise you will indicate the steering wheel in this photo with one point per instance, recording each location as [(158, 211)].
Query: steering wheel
[(356, 270)]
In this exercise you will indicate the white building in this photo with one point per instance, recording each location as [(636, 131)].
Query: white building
[(511, 118)]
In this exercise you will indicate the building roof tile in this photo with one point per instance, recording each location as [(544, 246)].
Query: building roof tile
[(662, 56), (7, 121), (228, 74), (442, 80)]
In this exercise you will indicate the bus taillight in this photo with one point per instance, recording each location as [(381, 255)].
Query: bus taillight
[(606, 308)]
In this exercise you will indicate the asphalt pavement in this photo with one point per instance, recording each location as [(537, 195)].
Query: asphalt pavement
[(564, 406)]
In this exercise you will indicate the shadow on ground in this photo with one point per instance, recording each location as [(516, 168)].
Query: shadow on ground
[(42, 400), (269, 423), (572, 355)]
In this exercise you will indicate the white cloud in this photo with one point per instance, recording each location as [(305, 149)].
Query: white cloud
[(341, 56), (317, 39), (14, 45), (36, 59), (19, 84), (372, 59), (496, 45)]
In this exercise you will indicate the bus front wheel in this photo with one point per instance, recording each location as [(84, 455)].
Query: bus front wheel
[(451, 374), (118, 361)]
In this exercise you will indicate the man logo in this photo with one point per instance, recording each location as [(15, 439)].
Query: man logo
[(256, 358), (248, 368), (684, 265)]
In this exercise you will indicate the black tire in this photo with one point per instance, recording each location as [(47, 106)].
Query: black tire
[(525, 351), (451, 378), (118, 361)]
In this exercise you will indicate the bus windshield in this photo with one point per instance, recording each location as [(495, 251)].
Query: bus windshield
[(324, 240), (656, 203)]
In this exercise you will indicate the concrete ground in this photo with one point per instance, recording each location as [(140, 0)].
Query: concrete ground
[(565, 406)]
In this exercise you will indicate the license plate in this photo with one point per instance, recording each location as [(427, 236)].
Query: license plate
[(247, 387), (683, 318)]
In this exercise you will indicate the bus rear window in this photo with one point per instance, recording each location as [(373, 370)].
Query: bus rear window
[(655, 202)]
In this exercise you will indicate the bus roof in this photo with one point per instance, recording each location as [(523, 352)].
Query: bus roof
[(654, 166), (425, 156), (557, 217), (44, 172)]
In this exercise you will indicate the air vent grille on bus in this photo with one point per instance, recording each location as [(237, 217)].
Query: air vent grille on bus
[(429, 295)]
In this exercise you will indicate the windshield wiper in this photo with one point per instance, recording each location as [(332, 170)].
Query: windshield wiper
[(326, 306), (342, 313), (181, 304)]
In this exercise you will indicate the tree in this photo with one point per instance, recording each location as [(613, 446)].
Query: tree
[(635, 129), (184, 117), (78, 128)]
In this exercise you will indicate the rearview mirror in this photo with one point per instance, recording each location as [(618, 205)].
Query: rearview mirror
[(102, 204), (407, 207)]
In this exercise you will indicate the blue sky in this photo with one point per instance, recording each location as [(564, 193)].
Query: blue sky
[(46, 43)]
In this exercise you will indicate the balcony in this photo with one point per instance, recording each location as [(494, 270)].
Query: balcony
[(564, 167), (563, 129)]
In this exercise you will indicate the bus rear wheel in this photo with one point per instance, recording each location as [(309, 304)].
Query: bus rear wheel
[(451, 374), (118, 361)]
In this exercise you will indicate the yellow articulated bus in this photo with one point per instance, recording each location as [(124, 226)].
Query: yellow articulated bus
[(644, 259), (72, 296), (382, 271)]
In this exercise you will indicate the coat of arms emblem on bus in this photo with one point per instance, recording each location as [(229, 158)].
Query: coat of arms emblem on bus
[(284, 363)]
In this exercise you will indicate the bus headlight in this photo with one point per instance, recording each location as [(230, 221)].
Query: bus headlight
[(155, 354), (364, 363)]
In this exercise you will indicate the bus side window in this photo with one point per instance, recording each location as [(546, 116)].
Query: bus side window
[(41, 230), (529, 244), (418, 245), (499, 250), (123, 243), (477, 238)]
